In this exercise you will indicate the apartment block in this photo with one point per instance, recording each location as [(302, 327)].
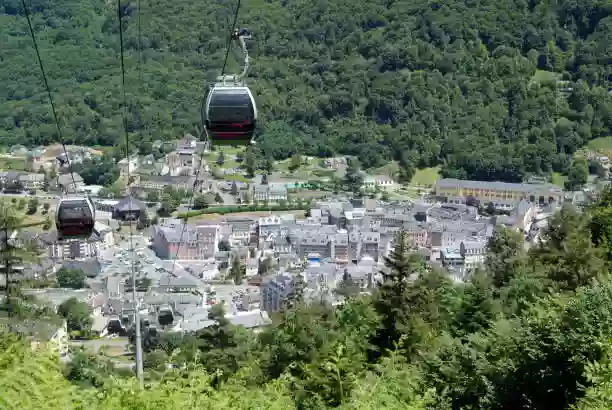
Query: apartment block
[(499, 191)]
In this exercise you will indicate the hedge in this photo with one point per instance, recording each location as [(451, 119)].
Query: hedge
[(222, 210)]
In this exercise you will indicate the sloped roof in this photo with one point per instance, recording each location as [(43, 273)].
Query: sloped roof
[(129, 203), (91, 267)]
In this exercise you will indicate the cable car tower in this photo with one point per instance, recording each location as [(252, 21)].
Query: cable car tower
[(229, 112)]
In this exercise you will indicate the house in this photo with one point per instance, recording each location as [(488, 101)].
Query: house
[(378, 181), (269, 193), (129, 209), (191, 243), (128, 165), (183, 161), (187, 142), (69, 249), (159, 182), (69, 182), (75, 156), (176, 284), (335, 162)]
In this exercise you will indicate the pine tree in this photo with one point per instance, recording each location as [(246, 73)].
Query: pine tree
[(221, 158), (391, 297), (237, 270), (12, 257), (249, 163)]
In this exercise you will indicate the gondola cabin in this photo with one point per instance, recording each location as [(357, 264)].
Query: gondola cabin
[(230, 115), (75, 218)]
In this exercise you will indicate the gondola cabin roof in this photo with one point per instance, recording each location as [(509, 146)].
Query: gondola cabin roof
[(229, 96)]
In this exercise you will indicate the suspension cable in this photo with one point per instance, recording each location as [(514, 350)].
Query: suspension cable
[(229, 40), (44, 76), (139, 43), (139, 370), (202, 131)]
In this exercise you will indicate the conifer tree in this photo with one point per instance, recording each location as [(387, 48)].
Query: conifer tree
[(391, 297)]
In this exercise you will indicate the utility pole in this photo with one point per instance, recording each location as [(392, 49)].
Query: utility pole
[(139, 369)]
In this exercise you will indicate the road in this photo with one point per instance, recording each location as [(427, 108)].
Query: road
[(39, 195)]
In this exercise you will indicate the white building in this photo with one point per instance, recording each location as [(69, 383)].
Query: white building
[(128, 165), (381, 181), (70, 249)]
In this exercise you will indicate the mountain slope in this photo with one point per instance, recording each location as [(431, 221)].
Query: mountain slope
[(423, 82)]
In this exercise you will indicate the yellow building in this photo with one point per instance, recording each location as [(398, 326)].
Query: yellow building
[(499, 191)]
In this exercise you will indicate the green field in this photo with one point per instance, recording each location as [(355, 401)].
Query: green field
[(558, 179), (11, 163), (235, 177), (541, 76), (38, 217), (602, 145), (426, 176), (390, 169)]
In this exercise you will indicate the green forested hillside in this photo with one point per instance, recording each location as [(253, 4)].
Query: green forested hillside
[(471, 86)]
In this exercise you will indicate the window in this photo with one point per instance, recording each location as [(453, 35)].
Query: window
[(74, 210), (230, 114)]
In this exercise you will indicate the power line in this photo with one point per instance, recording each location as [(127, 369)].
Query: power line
[(202, 131), (139, 370), (44, 76)]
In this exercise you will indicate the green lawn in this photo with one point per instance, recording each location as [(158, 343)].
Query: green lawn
[(426, 176), (602, 145), (542, 76), (234, 177), (12, 163), (558, 179), (389, 169)]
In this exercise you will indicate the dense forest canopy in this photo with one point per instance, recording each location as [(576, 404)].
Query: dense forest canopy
[(472, 86)]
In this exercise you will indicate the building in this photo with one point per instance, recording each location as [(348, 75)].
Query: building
[(105, 233), (242, 230), (159, 182), (187, 142), (498, 191), (191, 243), (183, 161), (70, 249), (269, 193), (335, 162), (274, 291), (380, 181), (129, 209), (32, 181), (127, 166)]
